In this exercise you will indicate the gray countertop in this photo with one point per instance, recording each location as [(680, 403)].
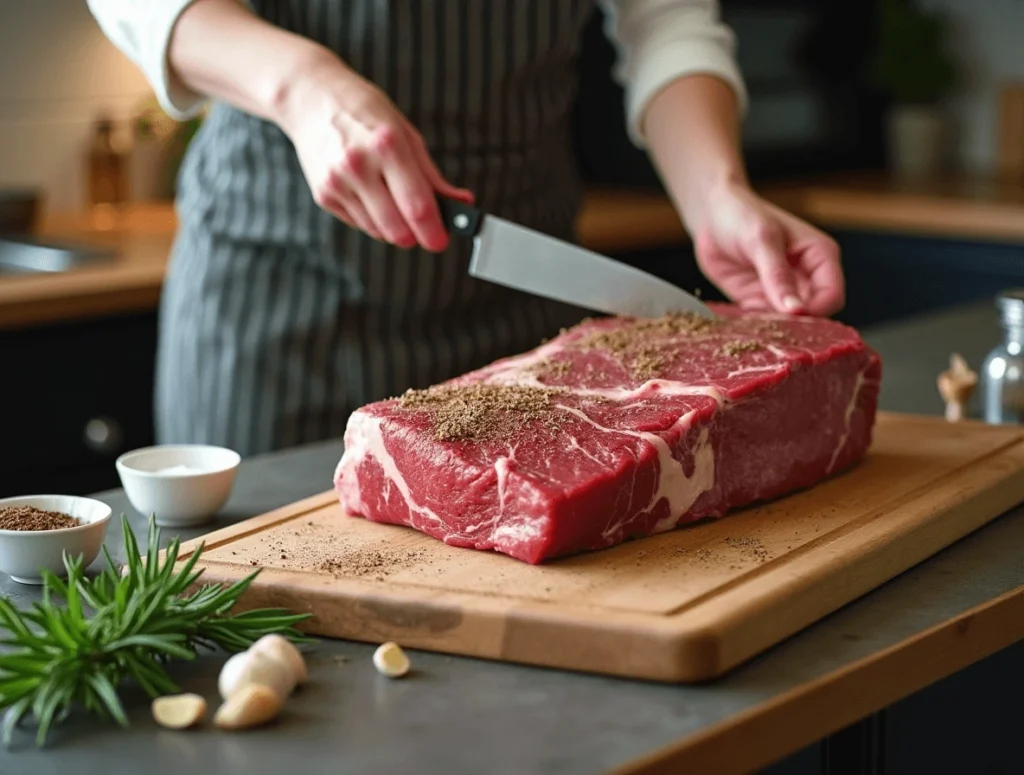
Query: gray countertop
[(460, 715)]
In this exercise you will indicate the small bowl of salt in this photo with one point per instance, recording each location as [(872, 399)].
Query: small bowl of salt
[(36, 531), (179, 485)]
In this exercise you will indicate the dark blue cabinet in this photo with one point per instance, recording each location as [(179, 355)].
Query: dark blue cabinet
[(966, 723), (893, 276), (75, 396)]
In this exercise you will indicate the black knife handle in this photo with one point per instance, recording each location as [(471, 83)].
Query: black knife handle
[(459, 218)]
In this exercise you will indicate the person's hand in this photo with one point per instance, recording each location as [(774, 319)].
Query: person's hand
[(364, 162), (764, 258)]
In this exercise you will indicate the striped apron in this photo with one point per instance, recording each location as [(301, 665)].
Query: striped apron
[(277, 320)]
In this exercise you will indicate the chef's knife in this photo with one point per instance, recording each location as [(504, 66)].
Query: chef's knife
[(521, 258)]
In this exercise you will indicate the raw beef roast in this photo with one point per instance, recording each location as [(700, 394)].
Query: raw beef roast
[(618, 428)]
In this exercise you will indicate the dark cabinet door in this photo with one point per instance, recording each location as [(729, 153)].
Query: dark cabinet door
[(890, 276), (969, 722), (74, 397), (808, 761)]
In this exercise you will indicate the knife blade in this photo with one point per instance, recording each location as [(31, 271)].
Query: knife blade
[(527, 260)]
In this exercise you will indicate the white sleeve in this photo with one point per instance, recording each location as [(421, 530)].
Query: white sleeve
[(659, 41), (141, 29)]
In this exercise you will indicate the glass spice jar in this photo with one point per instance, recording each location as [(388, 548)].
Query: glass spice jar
[(1002, 374)]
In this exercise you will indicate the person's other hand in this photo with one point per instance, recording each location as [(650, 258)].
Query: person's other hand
[(764, 258), (364, 162)]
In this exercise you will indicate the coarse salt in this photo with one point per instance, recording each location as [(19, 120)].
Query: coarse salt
[(179, 470)]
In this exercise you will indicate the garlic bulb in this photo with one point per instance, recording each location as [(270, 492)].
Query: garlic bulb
[(250, 667), (283, 650)]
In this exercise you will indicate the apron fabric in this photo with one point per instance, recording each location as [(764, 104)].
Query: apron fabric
[(278, 320)]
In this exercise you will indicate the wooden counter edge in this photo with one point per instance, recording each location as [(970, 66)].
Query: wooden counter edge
[(615, 220), (784, 724), (78, 296), (909, 213)]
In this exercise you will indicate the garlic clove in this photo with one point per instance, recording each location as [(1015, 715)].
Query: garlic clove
[(250, 667), (956, 386), (250, 706), (280, 648), (178, 711), (390, 660)]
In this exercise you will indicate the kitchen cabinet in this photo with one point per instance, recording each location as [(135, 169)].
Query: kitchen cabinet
[(968, 722), (75, 396), (809, 761), (890, 276)]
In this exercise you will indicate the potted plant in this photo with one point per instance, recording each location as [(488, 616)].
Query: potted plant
[(913, 66), (159, 145), (151, 132)]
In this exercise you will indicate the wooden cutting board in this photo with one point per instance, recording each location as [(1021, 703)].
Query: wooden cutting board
[(684, 606)]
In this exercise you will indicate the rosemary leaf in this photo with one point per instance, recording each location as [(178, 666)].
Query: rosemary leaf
[(15, 714)]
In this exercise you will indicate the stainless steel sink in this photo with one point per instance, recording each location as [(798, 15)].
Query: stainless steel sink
[(28, 256)]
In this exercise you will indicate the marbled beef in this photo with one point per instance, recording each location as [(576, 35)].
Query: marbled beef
[(617, 428)]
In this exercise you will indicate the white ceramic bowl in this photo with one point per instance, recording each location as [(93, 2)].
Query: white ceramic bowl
[(24, 552), (180, 485)]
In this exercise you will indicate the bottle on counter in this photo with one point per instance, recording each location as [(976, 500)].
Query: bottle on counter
[(107, 173), (1002, 373)]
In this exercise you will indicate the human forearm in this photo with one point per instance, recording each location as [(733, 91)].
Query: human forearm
[(684, 99), (692, 129), (684, 94), (759, 255), (258, 72)]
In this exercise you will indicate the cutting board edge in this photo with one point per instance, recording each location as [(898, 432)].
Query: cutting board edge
[(504, 631)]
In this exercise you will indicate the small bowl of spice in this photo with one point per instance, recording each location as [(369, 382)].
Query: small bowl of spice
[(179, 485), (37, 530)]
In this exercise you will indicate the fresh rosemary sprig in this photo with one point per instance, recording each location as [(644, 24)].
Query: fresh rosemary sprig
[(118, 627)]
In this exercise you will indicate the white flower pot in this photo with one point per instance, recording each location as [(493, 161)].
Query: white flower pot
[(917, 141)]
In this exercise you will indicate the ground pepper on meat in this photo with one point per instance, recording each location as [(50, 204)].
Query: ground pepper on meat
[(549, 369), (647, 363), (477, 412), (31, 518), (737, 347), (643, 330), (772, 330), (643, 344)]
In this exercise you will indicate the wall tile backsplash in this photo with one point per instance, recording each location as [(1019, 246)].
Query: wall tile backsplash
[(58, 73)]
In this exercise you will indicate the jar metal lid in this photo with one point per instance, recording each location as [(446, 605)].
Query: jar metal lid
[(1011, 306)]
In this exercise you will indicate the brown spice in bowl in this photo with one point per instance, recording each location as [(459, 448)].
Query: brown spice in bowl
[(31, 518)]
